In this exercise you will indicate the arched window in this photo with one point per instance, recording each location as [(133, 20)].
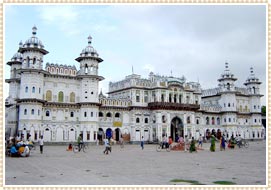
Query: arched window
[(254, 90), (213, 120), (72, 97), (164, 119), (197, 121), (108, 114), (33, 89), (32, 111), (34, 60), (25, 111), (117, 115), (85, 114), (137, 120), (101, 114), (146, 120), (188, 119), (49, 95), (28, 61), (86, 69), (207, 121), (72, 114), (229, 105), (47, 113), (26, 89), (180, 99), (169, 98), (60, 96), (218, 121)]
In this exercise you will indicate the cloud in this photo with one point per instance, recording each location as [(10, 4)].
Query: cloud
[(63, 17)]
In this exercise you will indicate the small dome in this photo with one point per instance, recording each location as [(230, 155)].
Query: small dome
[(89, 50), (33, 41), (17, 57), (252, 77)]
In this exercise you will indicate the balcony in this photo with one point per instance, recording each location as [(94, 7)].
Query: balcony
[(173, 106)]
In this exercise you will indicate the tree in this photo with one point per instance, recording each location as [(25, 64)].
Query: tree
[(264, 110)]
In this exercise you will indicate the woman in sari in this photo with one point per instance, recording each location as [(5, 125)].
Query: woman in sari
[(222, 143), (192, 146), (212, 147)]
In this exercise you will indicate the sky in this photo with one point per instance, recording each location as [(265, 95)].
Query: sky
[(193, 41)]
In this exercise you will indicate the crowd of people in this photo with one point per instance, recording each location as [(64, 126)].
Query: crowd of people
[(21, 146)]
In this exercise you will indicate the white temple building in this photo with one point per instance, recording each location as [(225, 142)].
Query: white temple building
[(61, 102)]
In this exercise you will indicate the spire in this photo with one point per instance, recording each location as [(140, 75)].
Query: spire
[(89, 40), (132, 69), (251, 72), (227, 66), (34, 30)]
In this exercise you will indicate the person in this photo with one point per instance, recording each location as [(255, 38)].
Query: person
[(222, 143), (69, 147), (231, 142), (41, 144), (170, 140), (212, 147), (165, 143), (142, 142), (18, 139), (26, 151), (239, 140), (107, 146), (186, 143), (192, 146), (14, 152), (80, 142), (200, 141)]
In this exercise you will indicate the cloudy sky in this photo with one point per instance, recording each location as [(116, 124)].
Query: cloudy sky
[(193, 41)]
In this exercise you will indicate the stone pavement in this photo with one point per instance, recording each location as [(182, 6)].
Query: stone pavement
[(133, 166)]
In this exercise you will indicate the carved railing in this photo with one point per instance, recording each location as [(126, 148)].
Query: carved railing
[(172, 106)]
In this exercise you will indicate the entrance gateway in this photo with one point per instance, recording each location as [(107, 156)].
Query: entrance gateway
[(176, 129)]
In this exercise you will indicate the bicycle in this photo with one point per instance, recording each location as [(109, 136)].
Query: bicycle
[(243, 143), (161, 146), (84, 147)]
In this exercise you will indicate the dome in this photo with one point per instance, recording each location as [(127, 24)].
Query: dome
[(17, 57), (252, 77), (33, 41), (89, 50)]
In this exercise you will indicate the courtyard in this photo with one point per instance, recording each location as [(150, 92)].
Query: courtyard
[(132, 166)]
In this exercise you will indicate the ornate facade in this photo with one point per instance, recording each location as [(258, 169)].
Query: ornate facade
[(60, 102)]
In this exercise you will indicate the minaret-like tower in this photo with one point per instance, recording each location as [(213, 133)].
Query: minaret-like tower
[(253, 87), (30, 99), (89, 99), (228, 97), (89, 66)]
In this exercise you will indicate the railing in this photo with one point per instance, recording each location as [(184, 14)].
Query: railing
[(173, 106)]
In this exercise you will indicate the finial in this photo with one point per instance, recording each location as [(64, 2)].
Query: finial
[(21, 44), (251, 70), (89, 39), (34, 30)]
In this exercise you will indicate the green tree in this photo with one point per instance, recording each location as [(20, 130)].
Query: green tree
[(264, 110)]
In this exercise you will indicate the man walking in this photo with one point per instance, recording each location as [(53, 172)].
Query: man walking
[(41, 144)]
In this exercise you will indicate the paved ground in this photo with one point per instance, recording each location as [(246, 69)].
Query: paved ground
[(133, 166)]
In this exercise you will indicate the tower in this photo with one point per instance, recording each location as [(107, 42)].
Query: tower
[(253, 88), (89, 81), (228, 97), (30, 99)]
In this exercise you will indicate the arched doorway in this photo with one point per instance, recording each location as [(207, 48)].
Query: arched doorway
[(100, 134), (117, 134), (176, 128), (108, 133)]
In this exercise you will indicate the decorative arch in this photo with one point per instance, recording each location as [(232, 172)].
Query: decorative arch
[(60, 96), (72, 97), (49, 95)]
